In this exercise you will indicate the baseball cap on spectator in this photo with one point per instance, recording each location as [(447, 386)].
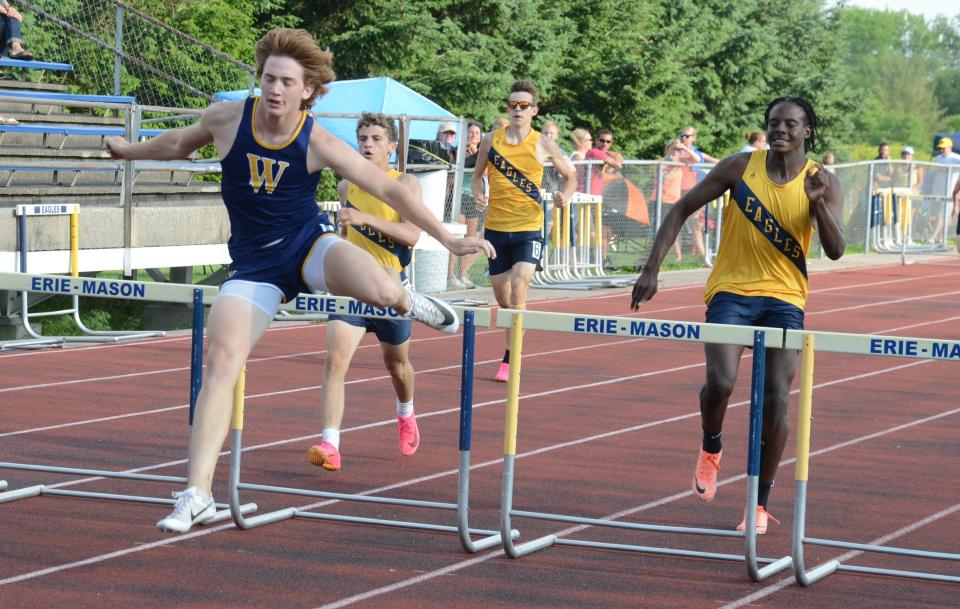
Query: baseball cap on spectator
[(945, 142), (907, 150), (448, 126)]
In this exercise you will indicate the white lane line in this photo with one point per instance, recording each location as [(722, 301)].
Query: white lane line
[(350, 600), (787, 581), (254, 396), (452, 472)]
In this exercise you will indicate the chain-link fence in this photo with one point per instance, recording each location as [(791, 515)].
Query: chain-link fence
[(909, 212), (117, 49)]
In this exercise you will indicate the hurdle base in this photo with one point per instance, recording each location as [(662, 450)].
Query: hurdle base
[(21, 493), (530, 547), (773, 568), (814, 575), (489, 542), (225, 514), (262, 519)]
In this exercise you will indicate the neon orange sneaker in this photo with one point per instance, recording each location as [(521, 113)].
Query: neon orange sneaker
[(408, 434), (762, 516), (705, 475), (325, 455), (503, 374)]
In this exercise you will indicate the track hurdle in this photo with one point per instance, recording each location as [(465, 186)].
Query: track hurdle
[(38, 340), (569, 265), (311, 303), (757, 337), (119, 289), (855, 344)]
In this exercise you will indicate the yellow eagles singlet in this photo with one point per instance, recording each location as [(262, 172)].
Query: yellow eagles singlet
[(515, 176), (765, 238), (384, 250)]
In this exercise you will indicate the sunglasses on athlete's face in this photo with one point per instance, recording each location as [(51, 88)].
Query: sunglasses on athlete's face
[(684, 136), (448, 133), (605, 141), (513, 105)]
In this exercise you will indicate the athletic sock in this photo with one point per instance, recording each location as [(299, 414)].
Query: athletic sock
[(332, 435), (404, 409), (712, 442), (506, 356), (763, 494)]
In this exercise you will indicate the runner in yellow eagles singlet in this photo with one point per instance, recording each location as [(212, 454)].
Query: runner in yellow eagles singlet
[(760, 276)]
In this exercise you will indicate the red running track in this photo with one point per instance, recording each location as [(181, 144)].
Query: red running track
[(608, 426)]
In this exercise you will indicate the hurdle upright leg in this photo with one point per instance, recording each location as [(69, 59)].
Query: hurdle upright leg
[(490, 537), (756, 573)]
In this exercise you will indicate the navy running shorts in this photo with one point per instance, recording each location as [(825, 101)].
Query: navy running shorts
[(511, 248), (734, 309)]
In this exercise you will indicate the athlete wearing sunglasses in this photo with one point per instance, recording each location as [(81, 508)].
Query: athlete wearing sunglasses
[(512, 157)]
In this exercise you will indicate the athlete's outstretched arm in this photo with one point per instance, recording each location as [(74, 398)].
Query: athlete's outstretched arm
[(332, 152), (721, 178), (173, 144), (826, 206)]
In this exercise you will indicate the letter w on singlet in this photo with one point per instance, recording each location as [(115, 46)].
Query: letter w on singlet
[(769, 227), (269, 176), (505, 167)]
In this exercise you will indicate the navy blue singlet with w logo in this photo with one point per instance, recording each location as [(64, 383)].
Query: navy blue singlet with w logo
[(271, 200)]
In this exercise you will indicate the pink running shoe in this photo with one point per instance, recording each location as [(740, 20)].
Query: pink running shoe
[(503, 374), (705, 475), (409, 434), (761, 526), (325, 455)]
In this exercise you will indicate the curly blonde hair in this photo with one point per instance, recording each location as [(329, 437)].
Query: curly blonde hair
[(300, 46)]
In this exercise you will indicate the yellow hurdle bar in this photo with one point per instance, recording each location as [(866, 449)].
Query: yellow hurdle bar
[(513, 386), (805, 413), (236, 422), (75, 242)]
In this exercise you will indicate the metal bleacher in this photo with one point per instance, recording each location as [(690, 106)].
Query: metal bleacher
[(133, 215)]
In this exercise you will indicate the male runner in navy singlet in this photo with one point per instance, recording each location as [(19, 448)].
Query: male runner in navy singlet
[(272, 152)]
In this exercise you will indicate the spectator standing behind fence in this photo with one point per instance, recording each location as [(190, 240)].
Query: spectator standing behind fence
[(955, 214), (459, 279), (910, 175), (828, 160), (940, 187), (612, 164), (672, 178), (756, 140), (883, 172), (582, 141), (691, 176)]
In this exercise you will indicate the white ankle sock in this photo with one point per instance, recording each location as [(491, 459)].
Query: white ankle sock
[(404, 409), (332, 435)]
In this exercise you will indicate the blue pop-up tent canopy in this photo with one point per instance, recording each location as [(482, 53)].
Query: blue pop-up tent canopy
[(380, 94)]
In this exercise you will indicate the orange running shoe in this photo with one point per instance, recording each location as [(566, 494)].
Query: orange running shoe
[(705, 475), (503, 374), (762, 516), (325, 455)]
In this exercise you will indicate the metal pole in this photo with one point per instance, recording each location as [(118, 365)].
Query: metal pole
[(118, 51), (869, 214)]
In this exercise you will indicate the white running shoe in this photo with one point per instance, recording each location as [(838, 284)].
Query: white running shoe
[(189, 510), (433, 312)]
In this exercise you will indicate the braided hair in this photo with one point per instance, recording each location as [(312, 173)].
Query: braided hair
[(812, 142)]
